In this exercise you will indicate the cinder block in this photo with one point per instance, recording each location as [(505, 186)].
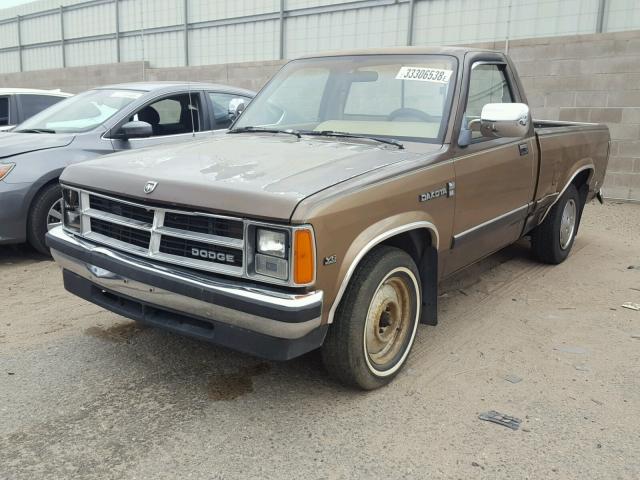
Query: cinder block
[(562, 67), (624, 98), (560, 99), (629, 148), (574, 114), (621, 164), (624, 132), (605, 115), (631, 115), (591, 99)]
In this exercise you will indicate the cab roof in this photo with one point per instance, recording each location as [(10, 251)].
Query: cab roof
[(443, 50)]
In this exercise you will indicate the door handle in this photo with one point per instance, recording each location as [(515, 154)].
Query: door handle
[(523, 148)]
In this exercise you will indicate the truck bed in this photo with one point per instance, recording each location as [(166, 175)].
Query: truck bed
[(564, 150)]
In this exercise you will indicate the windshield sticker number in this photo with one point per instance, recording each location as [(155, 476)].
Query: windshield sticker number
[(422, 74)]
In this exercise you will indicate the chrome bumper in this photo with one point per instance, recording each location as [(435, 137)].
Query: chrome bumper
[(230, 303)]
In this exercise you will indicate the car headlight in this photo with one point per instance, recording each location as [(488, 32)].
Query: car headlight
[(271, 257), (286, 254), (271, 242), (5, 168), (71, 213)]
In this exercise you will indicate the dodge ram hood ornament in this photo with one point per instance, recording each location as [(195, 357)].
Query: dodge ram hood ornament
[(150, 186)]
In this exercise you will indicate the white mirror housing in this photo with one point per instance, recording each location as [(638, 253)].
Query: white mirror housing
[(505, 120)]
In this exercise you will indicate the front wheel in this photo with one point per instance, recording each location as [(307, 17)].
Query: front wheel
[(45, 214), (552, 240), (376, 322)]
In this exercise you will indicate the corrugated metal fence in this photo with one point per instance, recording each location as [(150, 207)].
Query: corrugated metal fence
[(169, 33)]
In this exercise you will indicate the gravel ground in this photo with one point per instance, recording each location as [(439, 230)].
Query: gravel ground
[(88, 394)]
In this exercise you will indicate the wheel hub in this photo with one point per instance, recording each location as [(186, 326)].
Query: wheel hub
[(388, 320), (568, 223)]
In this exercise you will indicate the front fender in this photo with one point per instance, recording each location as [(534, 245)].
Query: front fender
[(374, 235)]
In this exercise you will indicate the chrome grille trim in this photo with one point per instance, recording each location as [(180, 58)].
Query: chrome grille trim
[(157, 230)]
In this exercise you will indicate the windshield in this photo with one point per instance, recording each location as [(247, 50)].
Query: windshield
[(80, 113), (392, 96)]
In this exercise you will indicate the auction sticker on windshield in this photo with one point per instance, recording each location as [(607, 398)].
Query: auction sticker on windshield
[(423, 74)]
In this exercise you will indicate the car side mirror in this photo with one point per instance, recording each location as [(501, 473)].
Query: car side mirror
[(236, 107), (503, 120), (135, 129)]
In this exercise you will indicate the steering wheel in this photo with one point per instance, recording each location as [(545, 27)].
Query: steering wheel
[(410, 113)]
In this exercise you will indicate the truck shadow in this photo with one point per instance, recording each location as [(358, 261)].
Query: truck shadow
[(225, 375), (20, 254)]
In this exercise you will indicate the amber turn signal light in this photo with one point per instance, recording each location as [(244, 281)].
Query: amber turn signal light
[(304, 261)]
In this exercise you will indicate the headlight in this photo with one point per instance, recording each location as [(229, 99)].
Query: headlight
[(271, 253), (71, 209), (5, 168), (284, 254), (271, 242)]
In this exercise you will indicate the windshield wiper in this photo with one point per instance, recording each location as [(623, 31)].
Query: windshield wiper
[(35, 130), (265, 130), (332, 133)]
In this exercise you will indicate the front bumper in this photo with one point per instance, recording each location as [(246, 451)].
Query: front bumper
[(254, 319), (13, 211)]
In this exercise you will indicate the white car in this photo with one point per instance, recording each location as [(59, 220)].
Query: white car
[(18, 104)]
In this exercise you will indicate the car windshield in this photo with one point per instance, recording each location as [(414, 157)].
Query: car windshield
[(382, 96), (80, 113)]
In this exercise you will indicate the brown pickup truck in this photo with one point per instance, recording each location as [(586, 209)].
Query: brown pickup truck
[(326, 216)]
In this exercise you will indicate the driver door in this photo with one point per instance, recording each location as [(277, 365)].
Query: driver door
[(495, 177)]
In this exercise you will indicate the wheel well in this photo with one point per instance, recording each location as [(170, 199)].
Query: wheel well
[(581, 182), (419, 245), (414, 242)]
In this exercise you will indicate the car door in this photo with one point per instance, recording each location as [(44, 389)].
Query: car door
[(495, 177), (223, 106), (176, 117)]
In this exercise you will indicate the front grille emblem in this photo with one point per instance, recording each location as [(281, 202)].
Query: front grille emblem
[(150, 186)]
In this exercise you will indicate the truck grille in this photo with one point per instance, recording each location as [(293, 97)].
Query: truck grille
[(198, 240), (139, 238)]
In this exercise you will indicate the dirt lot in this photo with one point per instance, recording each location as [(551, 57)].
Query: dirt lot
[(87, 394)]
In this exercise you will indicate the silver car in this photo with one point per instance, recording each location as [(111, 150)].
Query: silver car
[(94, 123)]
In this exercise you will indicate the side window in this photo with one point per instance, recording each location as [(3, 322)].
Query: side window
[(4, 111), (224, 104), (172, 115), (32, 104), (488, 84)]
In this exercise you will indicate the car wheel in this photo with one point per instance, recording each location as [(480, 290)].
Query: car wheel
[(376, 322), (552, 240), (45, 214)]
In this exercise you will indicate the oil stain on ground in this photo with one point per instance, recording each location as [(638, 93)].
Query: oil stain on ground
[(233, 385), (120, 333)]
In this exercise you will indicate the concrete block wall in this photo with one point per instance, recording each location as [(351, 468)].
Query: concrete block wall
[(75, 79), (586, 78), (589, 78)]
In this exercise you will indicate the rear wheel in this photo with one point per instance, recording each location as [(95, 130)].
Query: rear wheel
[(553, 239), (45, 214), (376, 322)]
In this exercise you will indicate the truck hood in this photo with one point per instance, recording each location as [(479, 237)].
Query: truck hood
[(17, 143), (245, 174)]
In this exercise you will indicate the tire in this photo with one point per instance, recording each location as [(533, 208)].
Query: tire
[(384, 292), (553, 239), (39, 220)]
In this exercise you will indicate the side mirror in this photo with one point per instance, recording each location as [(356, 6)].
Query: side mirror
[(135, 129), (236, 107), (503, 120)]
